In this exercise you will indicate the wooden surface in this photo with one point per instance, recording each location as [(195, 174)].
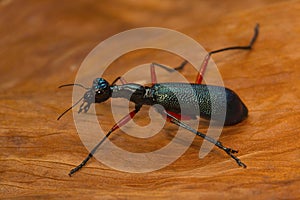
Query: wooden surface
[(43, 44)]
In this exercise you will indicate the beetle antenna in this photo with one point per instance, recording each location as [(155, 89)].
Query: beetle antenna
[(69, 108), (74, 84)]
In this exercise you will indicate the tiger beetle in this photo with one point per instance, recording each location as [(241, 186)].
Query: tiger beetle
[(140, 95)]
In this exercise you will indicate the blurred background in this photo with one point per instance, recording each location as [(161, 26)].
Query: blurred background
[(42, 46)]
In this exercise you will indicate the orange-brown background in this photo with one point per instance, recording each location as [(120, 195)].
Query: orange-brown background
[(42, 44)]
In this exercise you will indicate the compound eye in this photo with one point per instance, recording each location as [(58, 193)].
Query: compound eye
[(100, 83)]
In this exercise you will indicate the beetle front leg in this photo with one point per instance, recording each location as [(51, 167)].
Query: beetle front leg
[(120, 123)]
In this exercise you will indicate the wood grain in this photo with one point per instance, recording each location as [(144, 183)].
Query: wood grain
[(42, 46)]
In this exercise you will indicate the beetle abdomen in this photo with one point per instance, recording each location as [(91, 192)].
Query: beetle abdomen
[(207, 101)]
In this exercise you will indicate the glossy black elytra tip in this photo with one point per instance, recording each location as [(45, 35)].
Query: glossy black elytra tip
[(168, 95)]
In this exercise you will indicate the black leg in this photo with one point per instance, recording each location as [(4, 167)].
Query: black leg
[(229, 151), (169, 69), (248, 47), (204, 64), (153, 65), (122, 122), (207, 58)]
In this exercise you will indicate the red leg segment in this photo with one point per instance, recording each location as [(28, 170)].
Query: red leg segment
[(179, 116), (153, 74), (202, 70), (119, 124)]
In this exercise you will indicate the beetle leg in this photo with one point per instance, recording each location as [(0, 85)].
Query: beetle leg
[(169, 69), (202, 70), (229, 151), (204, 64), (122, 122)]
